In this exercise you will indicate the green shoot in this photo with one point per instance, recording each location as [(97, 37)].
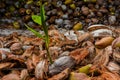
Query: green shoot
[(34, 31), (41, 21)]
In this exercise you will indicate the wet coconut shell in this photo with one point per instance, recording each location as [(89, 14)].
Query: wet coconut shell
[(96, 27), (102, 33), (113, 66), (61, 64), (104, 42)]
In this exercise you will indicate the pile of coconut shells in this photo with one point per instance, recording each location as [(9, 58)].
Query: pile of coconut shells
[(76, 55)]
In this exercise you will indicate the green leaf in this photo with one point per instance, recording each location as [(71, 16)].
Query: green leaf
[(37, 19), (43, 12), (45, 28), (34, 31)]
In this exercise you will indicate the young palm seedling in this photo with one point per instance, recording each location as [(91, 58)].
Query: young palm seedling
[(41, 21)]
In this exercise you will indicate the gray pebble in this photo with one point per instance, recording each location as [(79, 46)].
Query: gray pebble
[(65, 16), (68, 26), (67, 22), (64, 7), (59, 3), (70, 11), (59, 21), (112, 19)]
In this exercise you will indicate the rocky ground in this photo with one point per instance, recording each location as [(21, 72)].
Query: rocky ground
[(61, 13), (84, 40)]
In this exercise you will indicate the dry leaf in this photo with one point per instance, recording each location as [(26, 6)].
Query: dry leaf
[(61, 76), (54, 33), (11, 76), (24, 75), (104, 42), (116, 55), (102, 58), (41, 70), (35, 59), (3, 54), (110, 76), (33, 41), (32, 78), (54, 51), (79, 54), (78, 76), (97, 78), (28, 52), (67, 42), (37, 41), (6, 65), (84, 37), (29, 64)]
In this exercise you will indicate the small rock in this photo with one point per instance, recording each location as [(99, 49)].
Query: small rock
[(103, 10), (77, 26), (16, 25), (71, 35), (59, 21), (65, 16), (68, 1), (70, 11), (99, 14), (85, 10), (100, 2), (25, 47), (16, 48), (67, 22), (54, 11), (59, 3), (64, 7), (94, 20), (68, 26), (112, 19), (77, 9), (72, 6), (5, 49)]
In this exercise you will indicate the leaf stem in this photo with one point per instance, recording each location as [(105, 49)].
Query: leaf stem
[(48, 55)]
